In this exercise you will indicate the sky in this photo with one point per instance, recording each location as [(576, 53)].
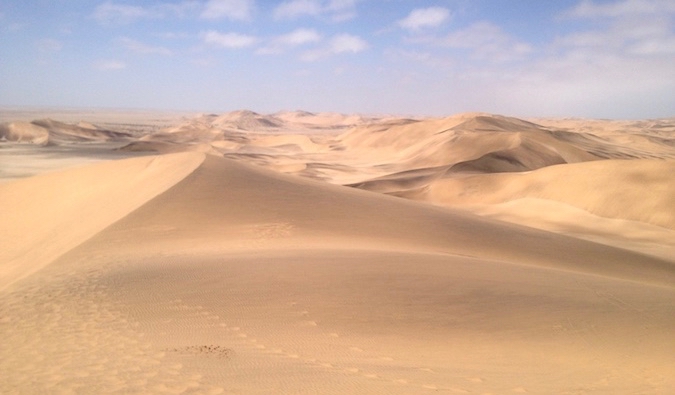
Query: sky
[(565, 58)]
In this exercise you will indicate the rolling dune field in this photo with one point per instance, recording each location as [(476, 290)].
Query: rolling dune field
[(301, 253)]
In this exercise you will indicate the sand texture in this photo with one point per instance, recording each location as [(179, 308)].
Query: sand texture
[(300, 253)]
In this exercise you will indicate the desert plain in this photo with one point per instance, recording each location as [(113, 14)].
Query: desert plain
[(320, 253)]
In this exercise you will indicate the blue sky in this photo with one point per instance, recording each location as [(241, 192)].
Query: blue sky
[(580, 58)]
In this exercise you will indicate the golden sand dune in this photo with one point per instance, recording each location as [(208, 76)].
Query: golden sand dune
[(48, 215), (638, 190), (194, 273)]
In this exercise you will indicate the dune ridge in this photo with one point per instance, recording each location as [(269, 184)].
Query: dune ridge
[(308, 213), (52, 214)]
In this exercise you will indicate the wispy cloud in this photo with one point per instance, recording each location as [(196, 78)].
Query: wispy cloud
[(487, 41), (623, 59), (296, 8), (341, 10), (293, 39), (111, 13), (593, 9), (629, 28), (228, 40), (141, 48), (105, 65), (49, 45), (241, 10), (341, 43), (347, 43), (335, 10), (172, 35), (425, 18)]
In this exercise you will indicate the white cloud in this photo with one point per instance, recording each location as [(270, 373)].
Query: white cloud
[(336, 10), (299, 37), (295, 8), (108, 13), (104, 65), (49, 45), (295, 38), (592, 9), (347, 43), (341, 43), (425, 18), (229, 40), (228, 9), (487, 41), (655, 46), (139, 47), (618, 66), (341, 10), (632, 28), (117, 13), (171, 35)]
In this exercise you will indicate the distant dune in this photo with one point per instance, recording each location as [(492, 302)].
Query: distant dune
[(638, 190), (47, 131), (301, 253)]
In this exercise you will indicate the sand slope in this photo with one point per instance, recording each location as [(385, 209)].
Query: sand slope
[(220, 277), (45, 216), (638, 190)]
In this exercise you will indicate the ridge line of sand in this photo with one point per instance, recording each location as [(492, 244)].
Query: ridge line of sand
[(39, 226)]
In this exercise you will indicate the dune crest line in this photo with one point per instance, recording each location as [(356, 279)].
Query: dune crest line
[(38, 226)]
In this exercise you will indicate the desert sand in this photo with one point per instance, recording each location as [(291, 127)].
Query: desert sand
[(302, 253)]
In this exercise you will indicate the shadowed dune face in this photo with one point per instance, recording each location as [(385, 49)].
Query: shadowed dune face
[(47, 131), (638, 190), (24, 132), (210, 271)]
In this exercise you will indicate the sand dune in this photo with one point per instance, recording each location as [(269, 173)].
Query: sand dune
[(194, 273), (638, 190), (47, 131), (24, 132), (48, 215)]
